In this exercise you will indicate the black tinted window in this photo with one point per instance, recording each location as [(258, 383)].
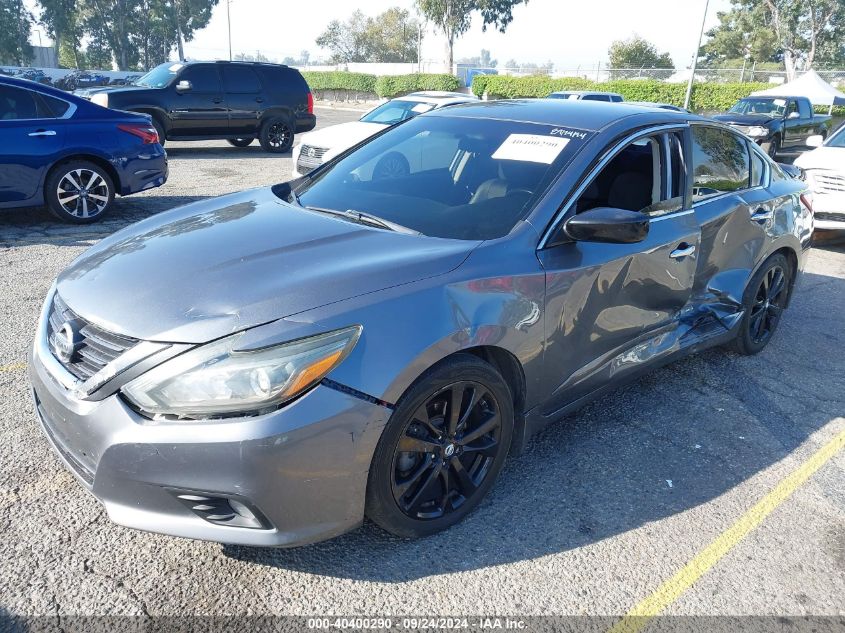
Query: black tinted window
[(52, 107), (240, 79), (720, 162), (16, 104), (202, 78), (595, 98)]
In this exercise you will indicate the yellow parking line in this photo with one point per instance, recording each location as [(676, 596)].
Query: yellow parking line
[(12, 367), (637, 618)]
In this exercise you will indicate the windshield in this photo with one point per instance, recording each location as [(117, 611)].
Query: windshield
[(395, 111), (773, 107), (160, 76), (451, 177), (838, 138)]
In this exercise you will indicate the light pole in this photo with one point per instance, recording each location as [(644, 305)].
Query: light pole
[(695, 57), (229, 25)]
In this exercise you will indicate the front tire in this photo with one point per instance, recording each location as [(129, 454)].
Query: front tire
[(276, 135), (772, 147), (79, 192), (764, 302), (240, 142), (442, 449)]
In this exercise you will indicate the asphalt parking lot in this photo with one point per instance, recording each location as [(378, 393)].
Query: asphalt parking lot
[(601, 510)]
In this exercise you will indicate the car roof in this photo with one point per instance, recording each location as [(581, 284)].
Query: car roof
[(438, 97), (583, 115), (585, 92)]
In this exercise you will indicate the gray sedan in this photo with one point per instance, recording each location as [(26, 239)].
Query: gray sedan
[(374, 339)]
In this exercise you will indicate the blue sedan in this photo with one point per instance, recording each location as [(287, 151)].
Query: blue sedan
[(72, 155)]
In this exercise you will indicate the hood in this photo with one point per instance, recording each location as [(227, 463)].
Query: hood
[(832, 158), (744, 119), (343, 136), (219, 266)]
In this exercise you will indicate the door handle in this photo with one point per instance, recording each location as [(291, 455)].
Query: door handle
[(762, 215), (217, 100), (683, 250), (42, 133), (259, 100)]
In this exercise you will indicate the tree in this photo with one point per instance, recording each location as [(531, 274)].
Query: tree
[(389, 37), (796, 32), (60, 19), (484, 60), (454, 17), (345, 40), (637, 52), (15, 25)]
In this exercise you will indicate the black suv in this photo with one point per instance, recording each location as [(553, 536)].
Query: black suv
[(236, 101)]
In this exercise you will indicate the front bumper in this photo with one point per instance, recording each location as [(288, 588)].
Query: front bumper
[(829, 211), (302, 469)]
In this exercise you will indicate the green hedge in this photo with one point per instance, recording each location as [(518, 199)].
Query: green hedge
[(390, 86), (340, 80), (384, 86), (706, 97)]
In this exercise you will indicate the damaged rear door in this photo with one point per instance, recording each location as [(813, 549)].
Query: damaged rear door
[(733, 208), (614, 309)]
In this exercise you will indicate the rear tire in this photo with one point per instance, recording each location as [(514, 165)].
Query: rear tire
[(450, 460), (764, 301), (276, 135), (240, 142), (160, 130), (78, 191)]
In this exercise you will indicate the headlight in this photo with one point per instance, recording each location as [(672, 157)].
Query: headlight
[(757, 130), (101, 99), (214, 381)]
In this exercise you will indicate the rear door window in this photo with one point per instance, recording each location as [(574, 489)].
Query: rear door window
[(720, 162), (52, 108), (17, 104), (240, 80)]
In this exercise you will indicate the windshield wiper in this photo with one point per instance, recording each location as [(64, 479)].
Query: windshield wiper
[(360, 217)]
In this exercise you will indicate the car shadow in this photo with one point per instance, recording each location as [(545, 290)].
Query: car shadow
[(223, 151), (678, 438), (36, 225)]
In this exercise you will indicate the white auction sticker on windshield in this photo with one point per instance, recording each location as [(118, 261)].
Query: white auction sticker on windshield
[(780, 102), (175, 68), (534, 148), (422, 107)]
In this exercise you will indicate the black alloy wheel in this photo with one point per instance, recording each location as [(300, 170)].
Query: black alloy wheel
[(442, 449), (765, 300), (391, 165), (276, 135), (446, 450)]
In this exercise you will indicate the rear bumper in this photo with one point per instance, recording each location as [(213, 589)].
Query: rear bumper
[(145, 170), (305, 122), (302, 470)]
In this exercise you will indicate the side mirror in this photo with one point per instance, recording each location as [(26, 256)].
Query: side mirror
[(816, 140), (793, 115), (184, 86), (604, 224)]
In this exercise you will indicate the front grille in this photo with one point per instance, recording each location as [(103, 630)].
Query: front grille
[(828, 182), (96, 347), (310, 158), (831, 217)]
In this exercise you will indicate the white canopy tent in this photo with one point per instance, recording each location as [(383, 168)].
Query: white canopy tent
[(809, 85)]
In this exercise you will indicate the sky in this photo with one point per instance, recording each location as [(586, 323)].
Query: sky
[(570, 34)]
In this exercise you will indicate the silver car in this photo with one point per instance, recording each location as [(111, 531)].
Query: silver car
[(270, 367)]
